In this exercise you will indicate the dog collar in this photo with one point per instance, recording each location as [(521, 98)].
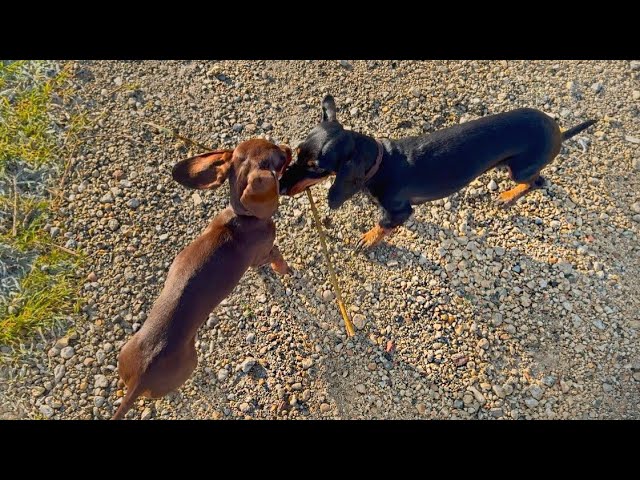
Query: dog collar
[(376, 165)]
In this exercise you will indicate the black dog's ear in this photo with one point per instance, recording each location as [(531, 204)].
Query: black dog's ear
[(328, 109), (349, 180)]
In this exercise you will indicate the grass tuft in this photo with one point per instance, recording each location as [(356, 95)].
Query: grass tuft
[(36, 134), (48, 292)]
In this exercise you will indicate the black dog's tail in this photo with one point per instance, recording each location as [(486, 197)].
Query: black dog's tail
[(577, 129)]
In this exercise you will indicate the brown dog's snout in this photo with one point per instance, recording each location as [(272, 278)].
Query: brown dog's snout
[(260, 196), (259, 180)]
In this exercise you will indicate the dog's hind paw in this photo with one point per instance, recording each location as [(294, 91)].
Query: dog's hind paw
[(508, 198)]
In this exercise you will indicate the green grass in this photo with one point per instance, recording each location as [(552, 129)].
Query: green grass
[(50, 289), (24, 120), (49, 292)]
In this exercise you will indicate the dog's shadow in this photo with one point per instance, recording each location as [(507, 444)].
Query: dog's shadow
[(532, 355), (529, 354), (341, 373)]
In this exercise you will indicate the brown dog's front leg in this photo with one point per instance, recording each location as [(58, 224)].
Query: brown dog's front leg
[(278, 263)]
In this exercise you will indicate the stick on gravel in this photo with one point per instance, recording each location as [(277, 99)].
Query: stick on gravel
[(175, 133), (334, 280)]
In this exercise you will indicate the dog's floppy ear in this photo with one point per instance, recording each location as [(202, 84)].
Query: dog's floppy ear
[(260, 196), (349, 180), (208, 170), (288, 154), (328, 109)]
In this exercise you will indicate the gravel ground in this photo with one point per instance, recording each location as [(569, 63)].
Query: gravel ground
[(469, 311)]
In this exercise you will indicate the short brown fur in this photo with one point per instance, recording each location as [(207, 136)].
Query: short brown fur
[(161, 356)]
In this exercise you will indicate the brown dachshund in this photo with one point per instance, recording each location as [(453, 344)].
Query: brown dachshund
[(161, 356)]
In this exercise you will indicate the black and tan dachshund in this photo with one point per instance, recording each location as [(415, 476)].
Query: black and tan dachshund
[(413, 170)]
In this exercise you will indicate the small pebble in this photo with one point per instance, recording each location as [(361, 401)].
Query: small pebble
[(531, 402), (46, 411), (222, 375), (67, 353), (247, 364), (101, 381), (359, 321)]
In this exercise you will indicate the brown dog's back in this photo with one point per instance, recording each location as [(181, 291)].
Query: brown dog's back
[(161, 356)]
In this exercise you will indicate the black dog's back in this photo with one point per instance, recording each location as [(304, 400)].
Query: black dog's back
[(510, 133), (435, 165)]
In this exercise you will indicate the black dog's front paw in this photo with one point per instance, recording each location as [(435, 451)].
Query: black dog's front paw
[(372, 238), (334, 200)]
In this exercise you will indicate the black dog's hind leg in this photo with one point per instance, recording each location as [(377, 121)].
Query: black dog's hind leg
[(508, 198), (524, 169), (391, 219)]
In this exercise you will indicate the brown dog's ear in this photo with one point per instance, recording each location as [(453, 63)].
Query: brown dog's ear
[(208, 170), (287, 151), (260, 196)]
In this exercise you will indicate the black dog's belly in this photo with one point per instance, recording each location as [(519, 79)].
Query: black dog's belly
[(418, 200), (422, 183), (429, 192), (437, 183)]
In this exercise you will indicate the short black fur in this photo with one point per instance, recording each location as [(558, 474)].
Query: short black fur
[(418, 169)]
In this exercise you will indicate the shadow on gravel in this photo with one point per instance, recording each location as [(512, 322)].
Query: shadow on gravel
[(538, 355)]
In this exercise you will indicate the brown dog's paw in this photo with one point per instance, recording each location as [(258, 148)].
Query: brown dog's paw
[(282, 268), (372, 238)]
